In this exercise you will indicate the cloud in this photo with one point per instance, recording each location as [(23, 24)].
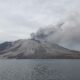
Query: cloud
[(68, 35), (19, 18)]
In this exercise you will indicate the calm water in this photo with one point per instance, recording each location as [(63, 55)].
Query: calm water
[(55, 69)]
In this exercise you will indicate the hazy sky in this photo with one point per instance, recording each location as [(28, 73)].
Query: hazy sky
[(19, 18)]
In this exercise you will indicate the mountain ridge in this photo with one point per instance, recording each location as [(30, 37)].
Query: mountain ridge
[(35, 49)]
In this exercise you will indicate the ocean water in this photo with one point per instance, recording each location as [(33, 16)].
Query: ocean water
[(40, 69)]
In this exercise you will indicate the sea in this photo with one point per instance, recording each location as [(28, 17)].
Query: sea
[(40, 69)]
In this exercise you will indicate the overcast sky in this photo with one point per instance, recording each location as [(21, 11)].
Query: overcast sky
[(19, 18)]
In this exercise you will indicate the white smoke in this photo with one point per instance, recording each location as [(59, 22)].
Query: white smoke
[(66, 33), (69, 34)]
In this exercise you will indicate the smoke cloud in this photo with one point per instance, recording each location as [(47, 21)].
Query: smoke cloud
[(68, 35), (65, 33)]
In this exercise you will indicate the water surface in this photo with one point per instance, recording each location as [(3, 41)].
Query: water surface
[(37, 69)]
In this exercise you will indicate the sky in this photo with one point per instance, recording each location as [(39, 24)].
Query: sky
[(20, 18)]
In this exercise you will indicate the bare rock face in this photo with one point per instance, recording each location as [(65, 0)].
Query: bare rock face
[(34, 49)]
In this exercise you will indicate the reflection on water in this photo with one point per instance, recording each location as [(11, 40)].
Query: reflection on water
[(40, 70), (44, 72)]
